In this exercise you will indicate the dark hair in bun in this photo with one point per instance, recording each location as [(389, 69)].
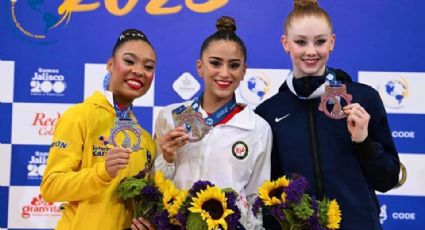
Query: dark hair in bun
[(129, 35), (226, 28)]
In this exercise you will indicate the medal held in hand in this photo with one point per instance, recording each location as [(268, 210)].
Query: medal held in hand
[(125, 133), (334, 99), (192, 122)]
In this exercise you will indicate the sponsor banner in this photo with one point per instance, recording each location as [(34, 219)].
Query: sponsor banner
[(28, 164), (49, 83), (94, 75), (7, 69), (28, 209), (144, 117), (186, 86), (5, 159), (409, 137), (401, 92), (5, 122), (259, 85), (414, 172), (396, 214), (4, 194), (34, 123)]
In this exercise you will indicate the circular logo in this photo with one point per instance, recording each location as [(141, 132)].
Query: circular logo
[(240, 150), (394, 93), (37, 19), (255, 88)]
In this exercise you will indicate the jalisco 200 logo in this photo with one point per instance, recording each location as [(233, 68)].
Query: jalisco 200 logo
[(48, 82), (43, 17)]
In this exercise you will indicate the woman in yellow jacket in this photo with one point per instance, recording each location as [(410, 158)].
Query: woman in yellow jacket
[(97, 143)]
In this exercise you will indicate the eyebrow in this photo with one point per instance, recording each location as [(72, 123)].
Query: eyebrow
[(232, 60), (318, 36), (136, 57)]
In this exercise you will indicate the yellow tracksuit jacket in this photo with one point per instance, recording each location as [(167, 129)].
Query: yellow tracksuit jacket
[(76, 172)]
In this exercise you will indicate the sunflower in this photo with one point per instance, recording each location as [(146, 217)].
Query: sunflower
[(271, 192), (161, 183), (173, 199), (334, 215), (212, 206)]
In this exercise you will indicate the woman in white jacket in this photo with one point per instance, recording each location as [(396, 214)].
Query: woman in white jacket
[(213, 137)]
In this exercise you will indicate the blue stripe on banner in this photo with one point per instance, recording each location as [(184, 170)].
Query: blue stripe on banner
[(4, 195), (401, 212), (144, 117), (408, 132), (5, 122)]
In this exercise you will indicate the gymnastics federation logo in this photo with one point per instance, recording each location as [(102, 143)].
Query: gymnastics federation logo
[(47, 82), (42, 17), (255, 88), (394, 93)]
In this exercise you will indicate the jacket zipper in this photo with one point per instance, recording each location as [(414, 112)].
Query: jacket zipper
[(315, 153)]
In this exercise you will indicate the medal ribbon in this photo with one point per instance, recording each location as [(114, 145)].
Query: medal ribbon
[(218, 115), (214, 118), (330, 80), (122, 113)]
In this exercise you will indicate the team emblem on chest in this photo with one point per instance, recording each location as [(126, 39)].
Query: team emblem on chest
[(240, 150)]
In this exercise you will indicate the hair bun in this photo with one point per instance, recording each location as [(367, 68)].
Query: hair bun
[(305, 3), (226, 23)]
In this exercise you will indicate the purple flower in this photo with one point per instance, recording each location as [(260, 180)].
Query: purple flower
[(150, 193), (277, 212), (295, 190), (181, 217), (313, 221), (160, 221), (256, 206), (141, 174), (198, 186), (232, 219)]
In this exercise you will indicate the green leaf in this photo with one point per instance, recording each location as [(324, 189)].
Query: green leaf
[(195, 222), (130, 187)]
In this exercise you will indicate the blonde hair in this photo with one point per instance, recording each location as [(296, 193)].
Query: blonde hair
[(303, 8)]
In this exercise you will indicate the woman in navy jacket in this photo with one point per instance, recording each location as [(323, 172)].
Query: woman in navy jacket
[(344, 149)]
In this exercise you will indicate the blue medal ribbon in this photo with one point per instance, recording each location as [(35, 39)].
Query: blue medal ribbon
[(331, 78), (123, 113), (218, 115)]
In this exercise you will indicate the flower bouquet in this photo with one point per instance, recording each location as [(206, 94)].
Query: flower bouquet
[(288, 203), (155, 200), (209, 207)]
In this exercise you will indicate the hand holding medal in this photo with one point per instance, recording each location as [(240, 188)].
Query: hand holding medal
[(357, 121), (171, 141), (124, 137), (334, 99), (116, 159)]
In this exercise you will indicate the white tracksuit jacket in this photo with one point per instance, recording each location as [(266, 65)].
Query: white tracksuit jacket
[(235, 154)]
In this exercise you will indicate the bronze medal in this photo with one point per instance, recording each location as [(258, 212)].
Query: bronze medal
[(330, 102)]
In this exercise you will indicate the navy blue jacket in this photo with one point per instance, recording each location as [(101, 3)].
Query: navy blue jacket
[(307, 142)]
